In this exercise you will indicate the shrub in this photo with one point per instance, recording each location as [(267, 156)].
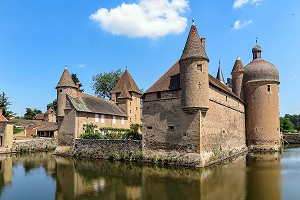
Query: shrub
[(91, 136)]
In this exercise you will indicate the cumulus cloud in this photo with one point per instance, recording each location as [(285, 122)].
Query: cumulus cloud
[(241, 3), (238, 24), (147, 18)]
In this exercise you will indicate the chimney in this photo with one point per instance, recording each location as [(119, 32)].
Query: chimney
[(77, 86), (203, 40)]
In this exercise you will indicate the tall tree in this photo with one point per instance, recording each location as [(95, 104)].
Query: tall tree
[(76, 80), (286, 125), (53, 105), (103, 83), (31, 113), (4, 104)]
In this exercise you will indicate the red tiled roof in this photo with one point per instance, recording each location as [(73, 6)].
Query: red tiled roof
[(126, 80), (66, 80), (39, 116), (238, 66), (124, 94), (2, 118)]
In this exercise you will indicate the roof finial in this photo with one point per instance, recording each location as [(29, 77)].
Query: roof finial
[(256, 40), (193, 21), (66, 65), (126, 67), (219, 62)]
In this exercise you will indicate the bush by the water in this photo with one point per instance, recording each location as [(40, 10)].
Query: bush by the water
[(128, 135)]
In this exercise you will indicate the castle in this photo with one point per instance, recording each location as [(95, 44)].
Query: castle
[(189, 111), (76, 109)]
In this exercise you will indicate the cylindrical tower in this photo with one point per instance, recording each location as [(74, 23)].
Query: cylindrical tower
[(65, 86), (261, 83), (237, 74), (194, 74)]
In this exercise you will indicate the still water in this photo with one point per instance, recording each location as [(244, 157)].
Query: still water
[(45, 176)]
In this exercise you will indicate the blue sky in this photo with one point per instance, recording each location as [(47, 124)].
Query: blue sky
[(38, 37)]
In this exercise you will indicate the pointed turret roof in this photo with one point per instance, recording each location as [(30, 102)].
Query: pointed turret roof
[(66, 80), (2, 118), (220, 76), (127, 81), (193, 46), (124, 94), (238, 66)]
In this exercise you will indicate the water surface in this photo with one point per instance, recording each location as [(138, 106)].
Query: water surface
[(45, 176)]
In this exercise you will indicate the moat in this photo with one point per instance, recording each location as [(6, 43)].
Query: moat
[(253, 176)]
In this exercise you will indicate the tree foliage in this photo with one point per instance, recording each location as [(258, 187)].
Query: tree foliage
[(4, 104), (294, 119), (76, 80), (53, 105), (286, 125), (103, 83), (31, 113)]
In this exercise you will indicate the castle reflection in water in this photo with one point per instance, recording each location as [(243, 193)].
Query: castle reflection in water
[(255, 176)]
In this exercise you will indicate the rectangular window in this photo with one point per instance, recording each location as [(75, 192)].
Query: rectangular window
[(114, 119), (102, 119), (96, 117), (123, 121), (199, 67), (158, 95), (171, 128), (149, 127), (269, 88)]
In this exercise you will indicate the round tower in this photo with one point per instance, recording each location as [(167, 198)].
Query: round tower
[(194, 74), (65, 86), (261, 83), (237, 74)]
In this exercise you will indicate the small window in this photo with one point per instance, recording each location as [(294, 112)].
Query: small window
[(122, 121), (149, 127), (130, 103), (199, 85), (96, 117), (130, 119), (102, 119), (269, 88), (158, 95), (226, 98), (171, 127), (114, 119), (130, 111), (136, 108), (199, 67), (60, 90)]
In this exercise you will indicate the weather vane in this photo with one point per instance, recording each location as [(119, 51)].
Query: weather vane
[(66, 65)]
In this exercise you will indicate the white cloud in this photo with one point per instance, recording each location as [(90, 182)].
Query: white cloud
[(238, 25), (241, 3), (81, 66), (147, 18)]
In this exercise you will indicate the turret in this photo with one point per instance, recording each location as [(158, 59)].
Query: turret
[(65, 86), (194, 74), (237, 74), (261, 83), (220, 76)]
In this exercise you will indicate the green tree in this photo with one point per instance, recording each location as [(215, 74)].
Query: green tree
[(53, 105), (76, 80), (103, 83), (286, 125), (31, 113), (4, 104)]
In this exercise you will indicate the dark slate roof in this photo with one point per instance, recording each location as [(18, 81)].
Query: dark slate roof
[(220, 76), (127, 81), (260, 70), (193, 46), (124, 94), (256, 48), (238, 66), (92, 104), (66, 80), (171, 81)]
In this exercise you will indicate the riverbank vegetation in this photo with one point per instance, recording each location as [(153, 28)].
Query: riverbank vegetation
[(290, 123)]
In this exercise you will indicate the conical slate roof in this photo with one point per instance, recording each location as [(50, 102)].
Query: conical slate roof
[(220, 76), (66, 80), (193, 46), (124, 94), (238, 66), (127, 81)]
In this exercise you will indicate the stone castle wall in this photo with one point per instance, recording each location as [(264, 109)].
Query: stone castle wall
[(35, 145), (223, 129)]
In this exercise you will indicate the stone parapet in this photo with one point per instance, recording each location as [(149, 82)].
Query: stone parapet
[(35, 145)]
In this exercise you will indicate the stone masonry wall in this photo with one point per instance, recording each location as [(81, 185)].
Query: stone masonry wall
[(35, 145), (291, 138), (223, 128), (106, 149)]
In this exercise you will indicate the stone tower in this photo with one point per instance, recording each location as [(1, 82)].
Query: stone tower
[(194, 74), (237, 74), (128, 97), (261, 83), (65, 86)]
